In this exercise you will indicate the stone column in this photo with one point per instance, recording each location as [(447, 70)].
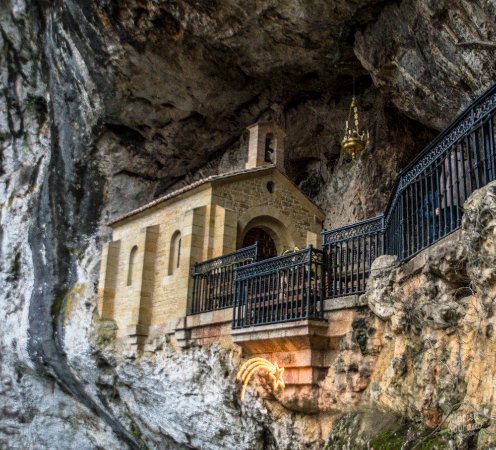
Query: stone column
[(141, 295), (225, 228), (195, 241), (108, 279), (253, 159)]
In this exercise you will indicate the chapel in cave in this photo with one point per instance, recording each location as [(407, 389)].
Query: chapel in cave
[(241, 258), (175, 257)]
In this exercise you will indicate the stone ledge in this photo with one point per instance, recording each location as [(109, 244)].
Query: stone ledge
[(345, 302), (415, 264), (287, 336), (281, 327), (204, 327), (216, 317)]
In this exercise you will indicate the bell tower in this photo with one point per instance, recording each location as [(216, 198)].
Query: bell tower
[(265, 145)]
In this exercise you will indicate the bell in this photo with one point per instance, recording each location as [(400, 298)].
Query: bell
[(354, 140)]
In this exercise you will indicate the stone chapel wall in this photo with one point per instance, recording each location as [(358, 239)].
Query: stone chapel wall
[(163, 295), (250, 198)]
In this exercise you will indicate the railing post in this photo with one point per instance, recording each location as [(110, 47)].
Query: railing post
[(193, 294), (492, 150), (322, 285), (309, 280), (383, 236), (325, 261), (236, 299)]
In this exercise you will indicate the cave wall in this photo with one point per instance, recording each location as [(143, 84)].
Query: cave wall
[(425, 354), (105, 105)]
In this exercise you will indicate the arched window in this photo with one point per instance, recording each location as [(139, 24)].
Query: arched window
[(175, 252), (130, 268)]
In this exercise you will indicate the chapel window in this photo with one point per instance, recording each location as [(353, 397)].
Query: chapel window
[(175, 252), (130, 269)]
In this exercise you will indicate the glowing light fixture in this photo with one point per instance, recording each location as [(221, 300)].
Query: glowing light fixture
[(253, 365)]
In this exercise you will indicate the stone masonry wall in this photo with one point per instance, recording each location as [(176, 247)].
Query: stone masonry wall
[(251, 199), (167, 296)]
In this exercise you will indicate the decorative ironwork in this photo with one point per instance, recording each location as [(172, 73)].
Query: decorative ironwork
[(284, 261), (463, 124), (213, 280), (350, 251), (357, 229), (246, 254), (273, 373), (354, 140), (280, 289)]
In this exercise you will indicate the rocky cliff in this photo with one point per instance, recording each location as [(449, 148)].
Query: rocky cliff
[(430, 357), (106, 105)]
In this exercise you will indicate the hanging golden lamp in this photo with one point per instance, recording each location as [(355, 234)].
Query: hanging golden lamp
[(354, 140)]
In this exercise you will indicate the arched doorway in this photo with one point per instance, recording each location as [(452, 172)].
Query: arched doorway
[(266, 245)]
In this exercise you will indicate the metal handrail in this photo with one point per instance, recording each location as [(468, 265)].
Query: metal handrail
[(490, 92), (227, 259), (280, 289), (354, 229), (214, 280), (487, 104), (285, 261)]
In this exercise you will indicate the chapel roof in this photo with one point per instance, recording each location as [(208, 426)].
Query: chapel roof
[(199, 183)]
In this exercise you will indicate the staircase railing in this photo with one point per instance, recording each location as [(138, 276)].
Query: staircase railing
[(426, 204)]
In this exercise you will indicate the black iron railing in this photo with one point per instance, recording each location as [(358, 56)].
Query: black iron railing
[(213, 280), (428, 200), (281, 289), (350, 251), (426, 203)]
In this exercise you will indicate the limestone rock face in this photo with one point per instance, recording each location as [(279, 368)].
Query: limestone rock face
[(440, 53), (106, 105), (437, 335), (380, 286), (480, 228), (187, 399)]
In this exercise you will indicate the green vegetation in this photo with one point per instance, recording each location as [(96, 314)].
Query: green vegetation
[(136, 432), (390, 440), (66, 301), (408, 436), (38, 105), (385, 431)]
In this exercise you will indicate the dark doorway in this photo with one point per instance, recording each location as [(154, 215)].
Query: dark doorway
[(266, 245)]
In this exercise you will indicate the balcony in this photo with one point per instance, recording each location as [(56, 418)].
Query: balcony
[(281, 289)]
